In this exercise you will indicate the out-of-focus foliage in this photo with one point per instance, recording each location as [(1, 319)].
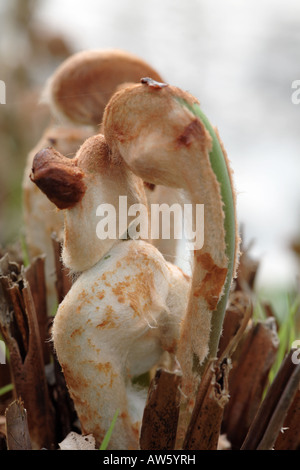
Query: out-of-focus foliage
[(29, 53)]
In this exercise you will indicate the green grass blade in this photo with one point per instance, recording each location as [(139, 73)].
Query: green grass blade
[(5, 389), (107, 436), (287, 333)]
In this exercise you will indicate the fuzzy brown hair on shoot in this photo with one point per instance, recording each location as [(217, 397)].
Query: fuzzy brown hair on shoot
[(76, 95), (129, 307)]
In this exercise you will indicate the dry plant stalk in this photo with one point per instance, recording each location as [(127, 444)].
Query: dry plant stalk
[(17, 432), (248, 379), (289, 437), (20, 330), (35, 276), (204, 428), (160, 418), (269, 420), (239, 309)]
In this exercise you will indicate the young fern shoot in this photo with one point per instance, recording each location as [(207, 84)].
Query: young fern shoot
[(124, 311), (130, 306), (164, 137)]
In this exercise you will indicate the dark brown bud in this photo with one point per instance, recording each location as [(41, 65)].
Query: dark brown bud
[(58, 177)]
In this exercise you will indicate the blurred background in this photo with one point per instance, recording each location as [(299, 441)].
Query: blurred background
[(238, 58)]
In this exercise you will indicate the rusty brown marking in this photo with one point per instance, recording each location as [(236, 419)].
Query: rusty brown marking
[(74, 382), (101, 294), (136, 430), (109, 320), (120, 288), (213, 282), (113, 376), (143, 285), (93, 346), (134, 303), (186, 276), (205, 260), (82, 295), (173, 347), (76, 332), (134, 289), (190, 133), (124, 415), (77, 399), (150, 186), (144, 282), (104, 367)]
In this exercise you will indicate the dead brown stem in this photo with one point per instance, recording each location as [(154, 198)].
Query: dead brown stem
[(289, 437), (35, 276), (17, 427), (26, 357), (270, 417), (204, 428), (161, 412), (237, 318), (248, 379), (232, 321)]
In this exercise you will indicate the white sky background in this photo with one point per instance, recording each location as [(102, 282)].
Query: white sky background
[(239, 59)]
